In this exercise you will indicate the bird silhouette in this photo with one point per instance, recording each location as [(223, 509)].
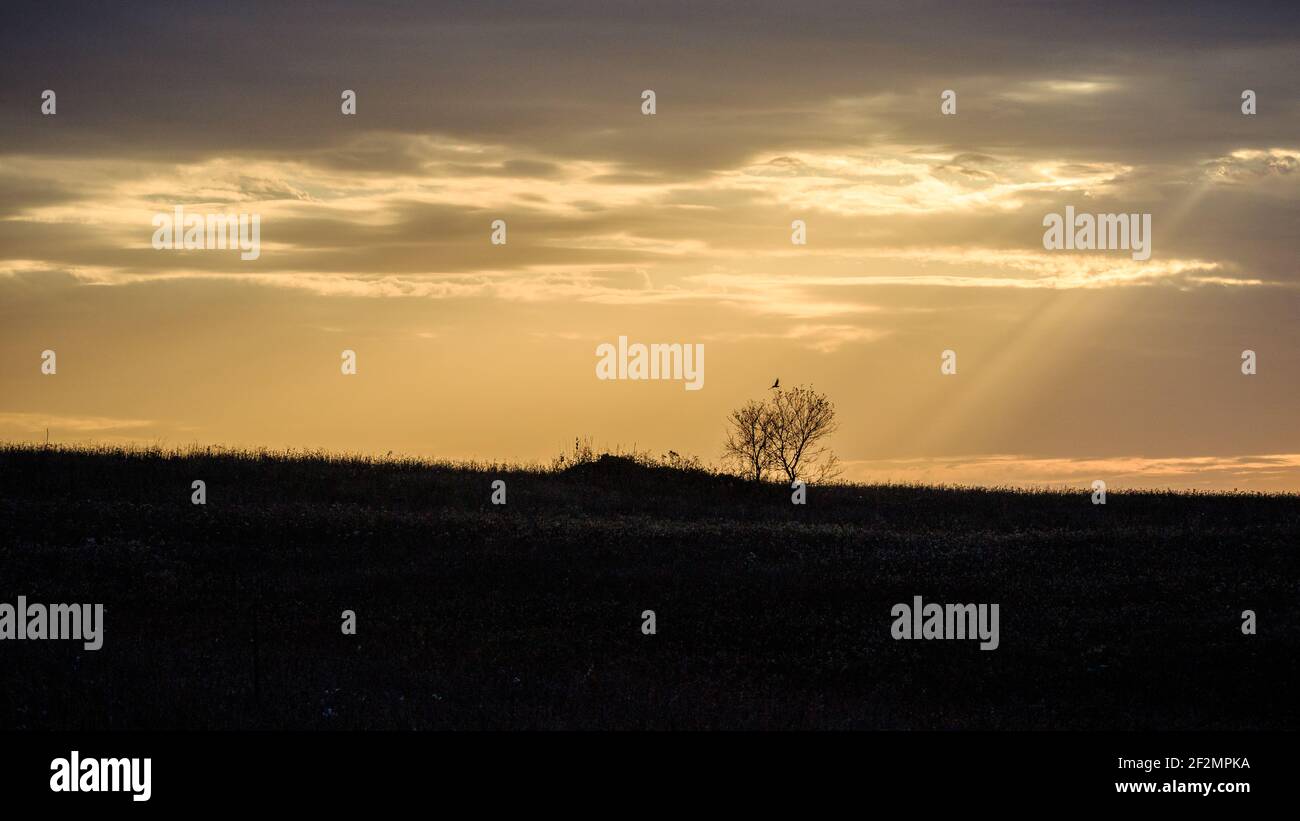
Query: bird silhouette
[(776, 384)]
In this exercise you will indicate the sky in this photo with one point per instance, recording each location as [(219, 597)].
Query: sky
[(924, 230)]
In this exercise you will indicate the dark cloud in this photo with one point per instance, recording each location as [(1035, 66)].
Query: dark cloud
[(19, 193), (562, 80)]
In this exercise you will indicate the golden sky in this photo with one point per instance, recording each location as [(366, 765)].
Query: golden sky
[(924, 230)]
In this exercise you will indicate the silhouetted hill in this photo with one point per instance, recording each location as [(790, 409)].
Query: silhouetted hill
[(528, 614)]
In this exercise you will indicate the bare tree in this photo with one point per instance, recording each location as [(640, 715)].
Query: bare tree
[(799, 420), (749, 440), (786, 433)]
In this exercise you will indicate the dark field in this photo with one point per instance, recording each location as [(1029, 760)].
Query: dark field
[(769, 615)]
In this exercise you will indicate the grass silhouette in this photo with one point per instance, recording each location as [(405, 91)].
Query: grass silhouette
[(527, 615)]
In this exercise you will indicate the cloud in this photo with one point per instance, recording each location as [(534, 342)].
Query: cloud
[(26, 424), (1249, 165), (1047, 91), (911, 180), (819, 337), (983, 268), (1255, 472)]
